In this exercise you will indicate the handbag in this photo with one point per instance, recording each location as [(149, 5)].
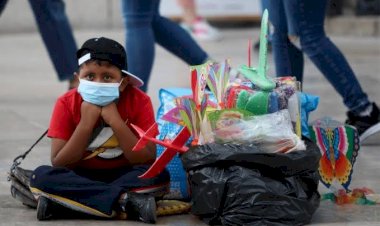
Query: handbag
[(20, 179)]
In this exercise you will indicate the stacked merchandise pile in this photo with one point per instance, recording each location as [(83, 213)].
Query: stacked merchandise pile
[(247, 162)]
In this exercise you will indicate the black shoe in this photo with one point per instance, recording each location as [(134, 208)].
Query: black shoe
[(48, 209), (44, 209), (139, 207), (366, 125)]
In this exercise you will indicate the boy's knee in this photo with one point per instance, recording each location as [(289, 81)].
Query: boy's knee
[(38, 175), (42, 170), (44, 173)]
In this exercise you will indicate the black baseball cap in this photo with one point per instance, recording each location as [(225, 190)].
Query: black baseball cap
[(108, 50)]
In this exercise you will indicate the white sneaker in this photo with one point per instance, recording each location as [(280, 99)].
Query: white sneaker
[(371, 136), (201, 30)]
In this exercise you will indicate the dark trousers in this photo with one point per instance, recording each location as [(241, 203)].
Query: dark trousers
[(97, 189), (56, 33)]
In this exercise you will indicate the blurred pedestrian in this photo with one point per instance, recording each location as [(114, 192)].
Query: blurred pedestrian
[(304, 20), (144, 27), (57, 36), (196, 25)]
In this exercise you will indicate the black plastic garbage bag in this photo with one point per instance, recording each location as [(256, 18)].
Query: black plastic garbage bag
[(240, 185)]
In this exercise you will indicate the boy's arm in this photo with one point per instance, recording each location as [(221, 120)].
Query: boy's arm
[(127, 138), (65, 153)]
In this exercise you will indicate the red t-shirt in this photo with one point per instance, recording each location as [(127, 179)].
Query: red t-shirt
[(133, 104)]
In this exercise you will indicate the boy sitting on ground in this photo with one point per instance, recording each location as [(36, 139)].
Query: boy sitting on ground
[(94, 169)]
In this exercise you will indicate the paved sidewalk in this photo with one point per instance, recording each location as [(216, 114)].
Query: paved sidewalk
[(30, 88)]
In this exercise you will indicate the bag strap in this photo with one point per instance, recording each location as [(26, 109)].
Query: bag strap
[(18, 159)]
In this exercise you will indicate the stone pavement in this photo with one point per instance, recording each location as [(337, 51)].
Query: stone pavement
[(30, 88)]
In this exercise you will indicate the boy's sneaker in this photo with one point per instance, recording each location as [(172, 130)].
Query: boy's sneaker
[(44, 209), (139, 207), (48, 209), (368, 126), (201, 30)]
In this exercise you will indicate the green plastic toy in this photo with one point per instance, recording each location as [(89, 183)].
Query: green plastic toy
[(258, 75), (256, 103)]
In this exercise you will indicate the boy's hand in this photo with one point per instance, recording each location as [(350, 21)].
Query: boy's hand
[(110, 114), (90, 113)]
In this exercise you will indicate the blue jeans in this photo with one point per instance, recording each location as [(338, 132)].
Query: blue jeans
[(56, 33), (144, 27), (305, 19), (3, 3), (264, 5)]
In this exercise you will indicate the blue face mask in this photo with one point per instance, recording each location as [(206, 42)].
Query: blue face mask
[(100, 94)]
